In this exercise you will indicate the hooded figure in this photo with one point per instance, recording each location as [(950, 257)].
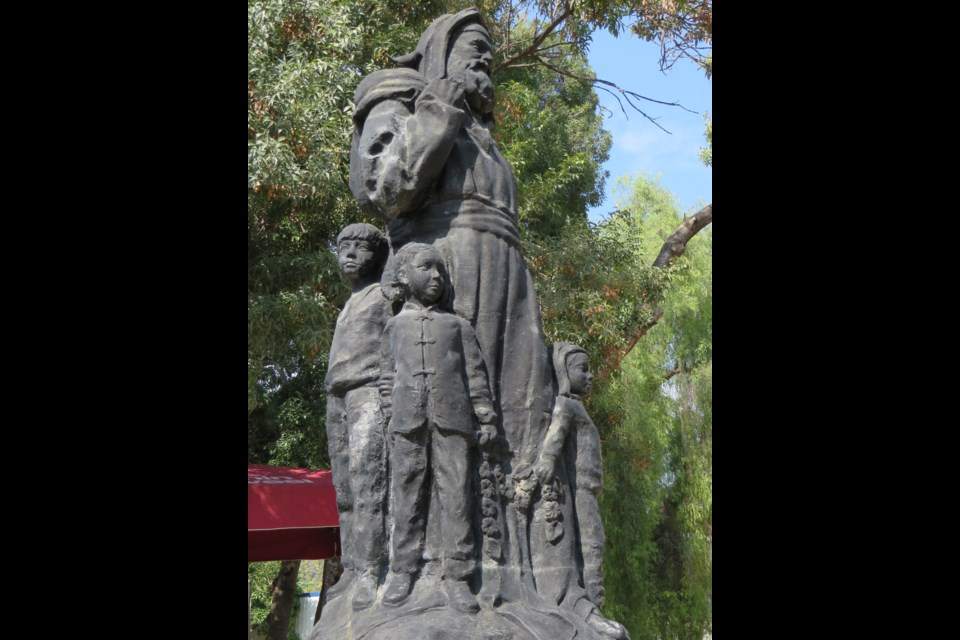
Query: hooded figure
[(559, 354), (432, 52), (571, 450)]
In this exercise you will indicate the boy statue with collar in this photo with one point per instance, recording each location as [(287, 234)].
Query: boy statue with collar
[(433, 384)]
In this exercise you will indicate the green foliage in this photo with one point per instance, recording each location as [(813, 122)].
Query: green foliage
[(632, 419), (551, 133), (261, 575), (653, 408), (655, 419), (594, 287), (682, 28), (595, 282)]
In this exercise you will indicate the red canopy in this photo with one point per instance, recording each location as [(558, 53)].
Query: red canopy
[(291, 514)]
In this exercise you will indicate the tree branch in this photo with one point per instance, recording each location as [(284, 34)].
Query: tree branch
[(642, 331), (534, 50), (676, 244), (525, 64), (618, 102), (612, 362), (558, 44), (626, 94), (537, 41)]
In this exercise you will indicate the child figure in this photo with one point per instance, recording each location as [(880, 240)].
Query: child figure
[(355, 433), (573, 435), (432, 384)]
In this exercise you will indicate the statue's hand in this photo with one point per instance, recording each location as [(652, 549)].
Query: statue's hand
[(545, 470), (524, 485), (487, 435), (486, 415), (447, 90)]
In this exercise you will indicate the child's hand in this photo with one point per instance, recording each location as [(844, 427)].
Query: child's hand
[(545, 469), (524, 484)]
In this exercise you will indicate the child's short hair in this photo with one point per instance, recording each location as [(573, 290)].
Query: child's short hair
[(404, 254), (368, 232)]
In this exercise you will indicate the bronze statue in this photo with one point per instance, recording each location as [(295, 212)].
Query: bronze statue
[(355, 434), (485, 437)]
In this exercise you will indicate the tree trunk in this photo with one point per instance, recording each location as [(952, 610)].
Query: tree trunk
[(284, 592), (332, 570), (676, 244)]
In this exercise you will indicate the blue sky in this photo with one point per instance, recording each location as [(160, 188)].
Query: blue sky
[(638, 145)]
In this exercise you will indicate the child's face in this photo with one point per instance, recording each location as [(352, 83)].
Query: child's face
[(356, 258), (424, 275), (578, 370)]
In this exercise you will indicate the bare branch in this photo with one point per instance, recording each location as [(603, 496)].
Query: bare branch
[(637, 95), (676, 244), (618, 102), (623, 92)]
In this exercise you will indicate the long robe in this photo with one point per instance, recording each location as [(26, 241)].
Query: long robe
[(436, 174)]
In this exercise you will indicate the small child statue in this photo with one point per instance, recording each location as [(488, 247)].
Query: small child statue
[(573, 435)]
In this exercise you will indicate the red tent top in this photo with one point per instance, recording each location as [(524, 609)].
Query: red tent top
[(291, 514)]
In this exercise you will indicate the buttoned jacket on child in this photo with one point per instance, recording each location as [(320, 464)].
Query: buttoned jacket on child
[(431, 370)]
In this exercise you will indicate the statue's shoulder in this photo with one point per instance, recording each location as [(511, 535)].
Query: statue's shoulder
[(454, 319), (403, 85), (571, 407)]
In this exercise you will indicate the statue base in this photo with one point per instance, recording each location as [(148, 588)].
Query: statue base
[(427, 615)]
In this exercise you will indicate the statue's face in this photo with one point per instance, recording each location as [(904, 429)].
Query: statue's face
[(424, 275), (578, 370), (356, 258), (471, 56)]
